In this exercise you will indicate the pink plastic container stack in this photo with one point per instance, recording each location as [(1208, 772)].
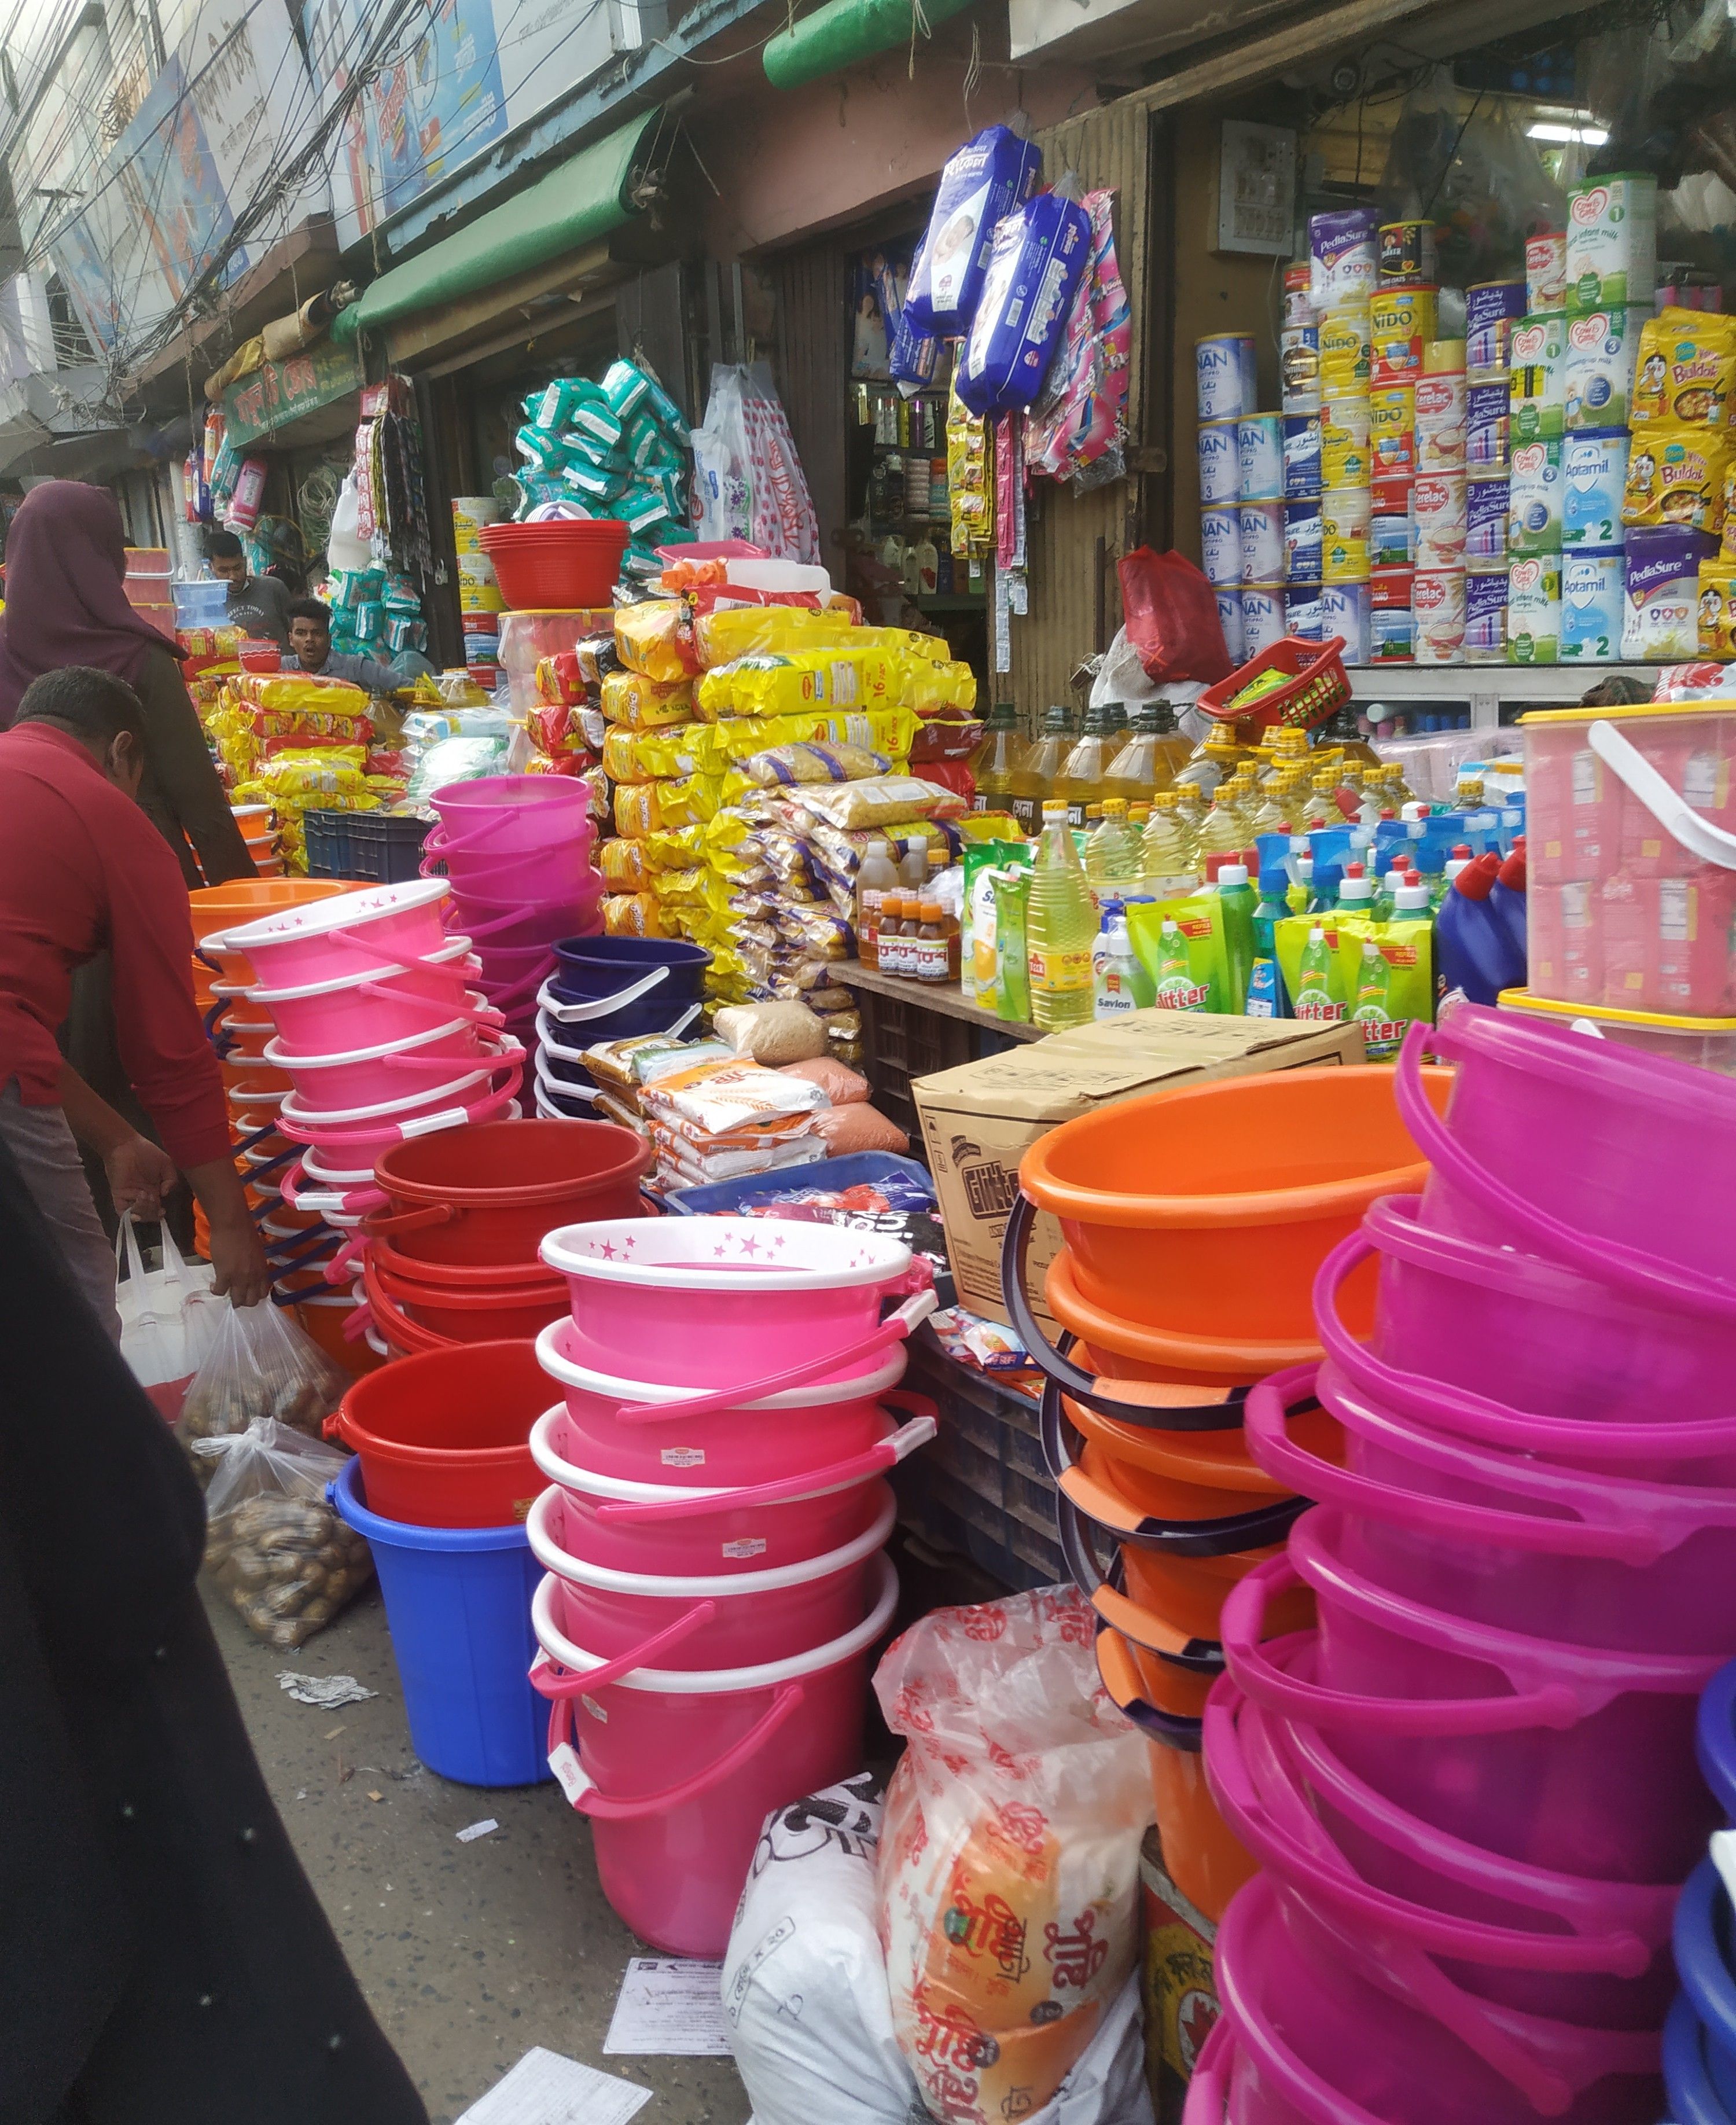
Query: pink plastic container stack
[(516, 849), (713, 1536), (1472, 1787)]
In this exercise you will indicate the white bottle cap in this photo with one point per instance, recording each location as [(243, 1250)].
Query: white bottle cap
[(1231, 873), (1410, 896), (1359, 889)]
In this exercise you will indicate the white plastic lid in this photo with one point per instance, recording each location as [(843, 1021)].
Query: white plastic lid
[(1232, 873), (1411, 896), (1356, 888)]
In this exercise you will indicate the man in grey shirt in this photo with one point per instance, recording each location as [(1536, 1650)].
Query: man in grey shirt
[(258, 604), (310, 639)]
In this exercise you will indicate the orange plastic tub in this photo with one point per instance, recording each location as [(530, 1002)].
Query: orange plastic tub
[(1126, 1350), (1204, 1212)]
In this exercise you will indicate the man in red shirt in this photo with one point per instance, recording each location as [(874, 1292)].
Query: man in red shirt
[(83, 869)]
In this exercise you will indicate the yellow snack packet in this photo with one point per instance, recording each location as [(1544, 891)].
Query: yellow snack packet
[(1687, 368), (1676, 475), (730, 631), (629, 698), (656, 638)]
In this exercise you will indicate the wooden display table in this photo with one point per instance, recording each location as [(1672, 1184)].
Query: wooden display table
[(912, 1029)]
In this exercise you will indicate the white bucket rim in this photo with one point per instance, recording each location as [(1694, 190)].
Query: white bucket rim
[(872, 1259), (589, 1483), (279, 1058), (718, 1681), (707, 1586), (454, 948), (314, 1118), (345, 910), (610, 1387)]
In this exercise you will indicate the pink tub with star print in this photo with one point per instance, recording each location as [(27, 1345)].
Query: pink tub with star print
[(726, 1304)]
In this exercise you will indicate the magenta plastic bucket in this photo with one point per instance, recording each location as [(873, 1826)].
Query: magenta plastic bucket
[(499, 817), (465, 1081), (1576, 1759), (700, 1300), (356, 1011), (530, 918), (1520, 1379), (1615, 1162), (511, 977), (728, 1618), (1590, 1558), (1461, 1927), (380, 930), (678, 1767), (675, 1527), (389, 1069), (1316, 2040)]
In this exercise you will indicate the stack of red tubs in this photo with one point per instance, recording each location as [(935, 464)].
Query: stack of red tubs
[(713, 1536), (1473, 1787)]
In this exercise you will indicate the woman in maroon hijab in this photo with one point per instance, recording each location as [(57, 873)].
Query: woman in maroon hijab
[(66, 603)]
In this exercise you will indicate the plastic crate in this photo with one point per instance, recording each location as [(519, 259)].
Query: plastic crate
[(858, 1168), (327, 836), (378, 848)]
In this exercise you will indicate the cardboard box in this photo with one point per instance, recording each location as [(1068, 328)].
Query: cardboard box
[(979, 1120), (1179, 1986)]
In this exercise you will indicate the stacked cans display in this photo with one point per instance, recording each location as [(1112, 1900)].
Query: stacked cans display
[(1344, 284), (1241, 477)]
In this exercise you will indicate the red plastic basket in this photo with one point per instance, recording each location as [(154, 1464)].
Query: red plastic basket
[(555, 566), (1315, 689)]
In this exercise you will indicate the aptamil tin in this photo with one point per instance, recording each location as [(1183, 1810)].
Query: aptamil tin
[(1304, 537), (1534, 498), (1260, 533), (1485, 618), (1302, 615), (1603, 347), (1224, 369), (1486, 428), (1440, 416), (1486, 500), (1230, 619), (1220, 468), (1221, 546), (1534, 610), (1437, 615), (1391, 632), (1302, 455), (1404, 253), (1612, 241), (1545, 270), (1593, 589), (1263, 617), (1260, 453), (1344, 610), (1299, 368), (1400, 321), (1594, 473), (1538, 391), (1490, 308), (1438, 500)]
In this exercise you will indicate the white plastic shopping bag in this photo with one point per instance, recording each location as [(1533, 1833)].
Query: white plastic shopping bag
[(166, 1316)]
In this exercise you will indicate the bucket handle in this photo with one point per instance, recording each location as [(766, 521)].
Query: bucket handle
[(1694, 1923), (1552, 1705), (1713, 1724), (816, 1483), (476, 1015), (1119, 1676), (1200, 1656), (390, 961), (896, 1326), (522, 992), (413, 1221), (549, 1678), (1671, 811), (565, 1054), (599, 1007), (1676, 1290), (1209, 2087), (581, 1790), (1219, 1409)]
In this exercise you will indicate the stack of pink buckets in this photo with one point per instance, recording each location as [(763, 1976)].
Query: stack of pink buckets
[(1472, 1787)]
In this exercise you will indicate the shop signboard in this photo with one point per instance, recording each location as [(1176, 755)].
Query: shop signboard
[(280, 392)]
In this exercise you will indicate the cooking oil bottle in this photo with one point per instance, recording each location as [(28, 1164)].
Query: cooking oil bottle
[(1060, 926), (1080, 783), (1114, 866), (1140, 768), (993, 763), (1213, 760), (1167, 850), (1032, 782), (1224, 832)]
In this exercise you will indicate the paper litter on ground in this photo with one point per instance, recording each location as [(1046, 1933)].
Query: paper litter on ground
[(476, 1830), (669, 2010), (327, 1691), (545, 2088)]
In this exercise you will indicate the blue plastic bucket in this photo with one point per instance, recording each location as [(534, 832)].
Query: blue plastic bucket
[(588, 967), (1693, 2100), (1702, 1946), (1714, 1738), (458, 1604)]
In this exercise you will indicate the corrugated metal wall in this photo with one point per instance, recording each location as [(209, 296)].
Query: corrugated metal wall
[(813, 359), (1074, 540)]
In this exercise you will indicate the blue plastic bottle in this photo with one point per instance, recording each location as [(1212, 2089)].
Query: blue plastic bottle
[(1475, 954)]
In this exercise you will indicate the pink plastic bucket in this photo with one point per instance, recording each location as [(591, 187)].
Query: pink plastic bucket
[(355, 1011), (678, 1768), (662, 1528), (1619, 1164), (511, 975), (501, 816), (387, 1070), (1523, 1382), (377, 930), (564, 872), (1315, 2040), (1576, 1759), (530, 918), (1460, 1927), (1592, 1559), (700, 1300), (466, 1087), (730, 1618), (354, 1147)]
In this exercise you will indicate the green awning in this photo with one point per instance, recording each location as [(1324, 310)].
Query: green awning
[(582, 199)]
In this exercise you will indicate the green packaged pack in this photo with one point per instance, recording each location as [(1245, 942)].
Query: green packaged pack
[(1180, 944), (979, 971), (1012, 967), (1384, 991)]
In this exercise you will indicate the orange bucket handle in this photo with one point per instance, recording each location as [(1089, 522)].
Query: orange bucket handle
[(1119, 1676)]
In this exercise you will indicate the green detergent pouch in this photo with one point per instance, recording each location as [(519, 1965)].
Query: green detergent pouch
[(978, 969), (1011, 962), (1199, 916)]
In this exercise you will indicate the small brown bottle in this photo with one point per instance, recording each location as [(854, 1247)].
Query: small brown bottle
[(889, 940)]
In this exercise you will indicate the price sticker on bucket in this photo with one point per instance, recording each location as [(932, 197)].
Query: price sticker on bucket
[(575, 1781)]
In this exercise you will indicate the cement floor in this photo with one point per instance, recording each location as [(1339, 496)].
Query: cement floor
[(469, 1954)]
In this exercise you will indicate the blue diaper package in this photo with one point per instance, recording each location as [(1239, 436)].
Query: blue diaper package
[(981, 184), (1040, 251)]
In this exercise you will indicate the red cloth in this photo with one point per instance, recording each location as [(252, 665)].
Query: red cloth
[(65, 599), (82, 868)]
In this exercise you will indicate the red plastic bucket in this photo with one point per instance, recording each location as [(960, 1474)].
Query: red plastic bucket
[(444, 1437), (485, 1314), (555, 566)]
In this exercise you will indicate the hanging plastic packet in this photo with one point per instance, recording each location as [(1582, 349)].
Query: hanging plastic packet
[(1038, 255), (983, 182)]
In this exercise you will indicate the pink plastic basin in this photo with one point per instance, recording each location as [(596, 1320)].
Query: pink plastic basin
[(387, 1070), (701, 1302), (497, 817), (564, 872), (678, 1767), (1590, 1559), (379, 929), (730, 1619), (1576, 1759), (451, 1099), (355, 1011)]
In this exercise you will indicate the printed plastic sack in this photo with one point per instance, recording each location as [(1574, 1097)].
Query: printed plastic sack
[(748, 481), (988, 178), (285, 1561), (1039, 258), (1009, 1869), (1172, 617), (259, 1364), (166, 1316)]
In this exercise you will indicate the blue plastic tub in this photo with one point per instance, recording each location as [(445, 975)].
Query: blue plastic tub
[(1693, 2100), (859, 1167), (1702, 1945), (458, 1604)]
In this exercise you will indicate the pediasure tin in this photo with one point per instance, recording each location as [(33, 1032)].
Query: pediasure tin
[(1342, 254), (1485, 618), (1299, 368), (1302, 455), (1221, 546), (1660, 621), (1230, 619), (1612, 242), (1538, 391), (1594, 473), (1346, 352), (1260, 532), (1534, 610), (1404, 253), (1602, 349), (1344, 610), (1593, 591), (1438, 500), (1391, 631), (1545, 270), (1299, 307), (1345, 460), (1220, 468), (1260, 454), (1263, 617), (1486, 501), (1392, 430), (1302, 614), (1490, 308), (1440, 416), (1224, 369), (1486, 426), (1535, 498), (1401, 321), (1304, 537), (1437, 615)]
